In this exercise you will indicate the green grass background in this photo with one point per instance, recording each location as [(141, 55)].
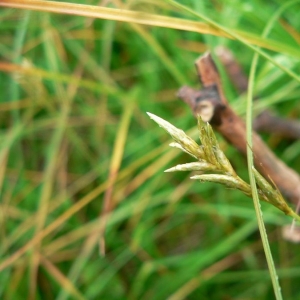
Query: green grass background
[(73, 127)]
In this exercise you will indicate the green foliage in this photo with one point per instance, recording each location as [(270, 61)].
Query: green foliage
[(73, 131)]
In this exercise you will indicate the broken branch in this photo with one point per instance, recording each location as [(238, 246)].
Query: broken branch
[(265, 121), (210, 103)]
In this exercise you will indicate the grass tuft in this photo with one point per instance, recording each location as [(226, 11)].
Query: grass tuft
[(76, 79)]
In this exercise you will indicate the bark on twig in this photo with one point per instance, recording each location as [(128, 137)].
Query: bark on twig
[(269, 123), (233, 69), (211, 104)]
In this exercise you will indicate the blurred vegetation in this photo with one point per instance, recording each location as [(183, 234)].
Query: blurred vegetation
[(74, 132)]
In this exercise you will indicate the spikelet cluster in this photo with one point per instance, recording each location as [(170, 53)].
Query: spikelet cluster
[(215, 166)]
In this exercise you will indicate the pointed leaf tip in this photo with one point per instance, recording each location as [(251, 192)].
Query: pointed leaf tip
[(150, 115), (161, 122), (173, 169)]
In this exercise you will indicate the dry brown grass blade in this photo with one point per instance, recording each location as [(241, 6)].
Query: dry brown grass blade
[(116, 160), (129, 16), (123, 15), (112, 14), (58, 276), (53, 226)]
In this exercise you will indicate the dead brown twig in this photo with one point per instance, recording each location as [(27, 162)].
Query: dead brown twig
[(211, 104)]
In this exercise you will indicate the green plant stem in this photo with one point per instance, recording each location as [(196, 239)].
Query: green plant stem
[(259, 216), (258, 211)]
